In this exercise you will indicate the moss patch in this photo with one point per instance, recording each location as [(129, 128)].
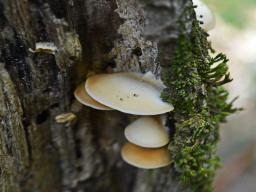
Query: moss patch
[(194, 86)]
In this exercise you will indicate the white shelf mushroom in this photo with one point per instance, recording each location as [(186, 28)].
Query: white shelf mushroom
[(151, 78), (82, 96), (204, 15), (128, 93), (146, 158), (148, 132)]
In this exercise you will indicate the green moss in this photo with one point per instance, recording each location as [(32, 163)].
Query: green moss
[(193, 82)]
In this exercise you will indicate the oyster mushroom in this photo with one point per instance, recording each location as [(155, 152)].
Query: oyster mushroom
[(148, 131), (127, 92), (146, 158), (82, 96)]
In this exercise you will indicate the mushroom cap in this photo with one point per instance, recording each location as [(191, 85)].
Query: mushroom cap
[(148, 132), (204, 15), (146, 158), (151, 78), (82, 96), (127, 92)]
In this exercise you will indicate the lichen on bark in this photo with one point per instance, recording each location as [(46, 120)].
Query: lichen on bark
[(194, 86)]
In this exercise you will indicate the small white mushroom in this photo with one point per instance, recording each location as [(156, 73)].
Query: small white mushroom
[(82, 96), (148, 132), (146, 158), (45, 47), (204, 15), (65, 117), (128, 93)]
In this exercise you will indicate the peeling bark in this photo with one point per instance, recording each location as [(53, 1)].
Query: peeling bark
[(37, 154)]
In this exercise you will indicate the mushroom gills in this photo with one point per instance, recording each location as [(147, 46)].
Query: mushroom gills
[(82, 96)]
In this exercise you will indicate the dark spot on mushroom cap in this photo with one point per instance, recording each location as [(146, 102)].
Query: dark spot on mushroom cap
[(201, 16), (135, 95), (121, 99), (201, 22)]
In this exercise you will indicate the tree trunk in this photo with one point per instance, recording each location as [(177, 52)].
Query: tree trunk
[(40, 154)]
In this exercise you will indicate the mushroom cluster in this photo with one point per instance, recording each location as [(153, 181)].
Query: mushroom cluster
[(136, 94), (147, 138)]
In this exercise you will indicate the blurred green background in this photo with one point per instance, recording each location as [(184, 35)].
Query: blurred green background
[(235, 35), (234, 12)]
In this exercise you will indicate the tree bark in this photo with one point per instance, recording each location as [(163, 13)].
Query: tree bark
[(38, 154)]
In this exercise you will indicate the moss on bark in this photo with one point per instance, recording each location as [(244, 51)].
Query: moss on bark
[(193, 81)]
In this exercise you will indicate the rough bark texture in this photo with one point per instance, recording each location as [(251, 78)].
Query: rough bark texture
[(37, 154)]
